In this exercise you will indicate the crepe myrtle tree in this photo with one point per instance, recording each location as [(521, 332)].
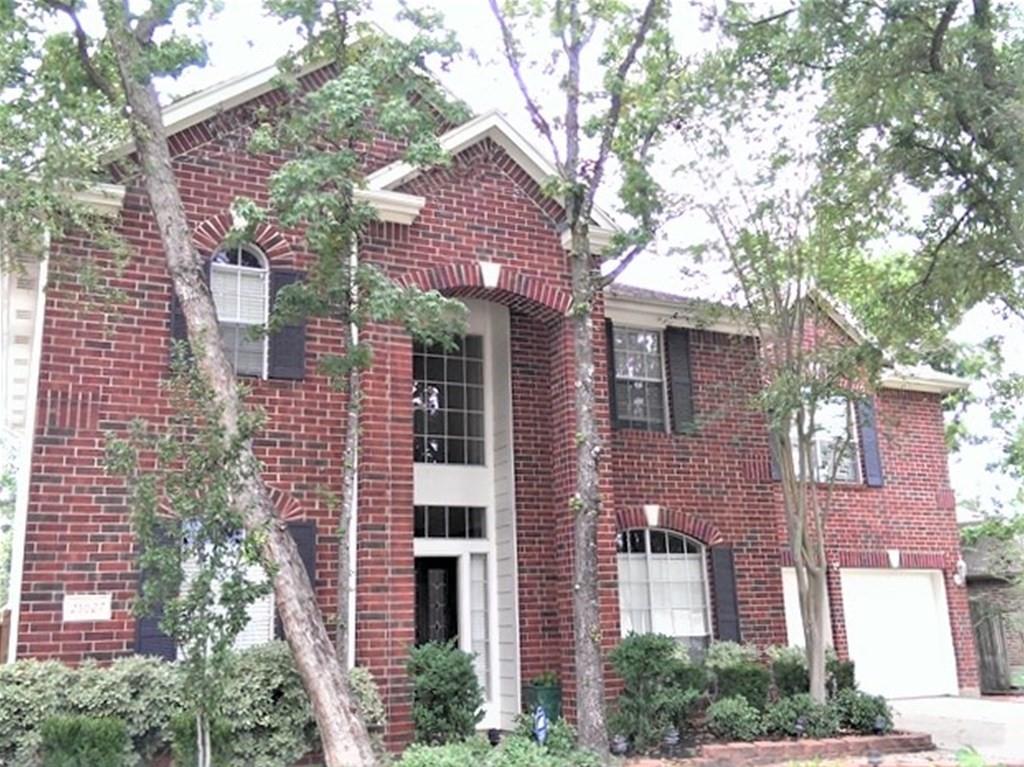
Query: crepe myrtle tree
[(613, 65), (81, 81), (198, 568), (768, 240)]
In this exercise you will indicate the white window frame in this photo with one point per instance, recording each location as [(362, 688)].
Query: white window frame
[(666, 417), (254, 574), (237, 271), (820, 437), (703, 551)]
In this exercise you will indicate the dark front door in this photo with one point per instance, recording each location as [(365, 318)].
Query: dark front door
[(437, 599)]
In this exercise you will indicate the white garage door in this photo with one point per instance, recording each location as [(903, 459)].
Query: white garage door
[(897, 627)]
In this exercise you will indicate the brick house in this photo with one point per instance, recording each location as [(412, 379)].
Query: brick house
[(463, 527)]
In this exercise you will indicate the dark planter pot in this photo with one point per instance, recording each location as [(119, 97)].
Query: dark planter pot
[(548, 697)]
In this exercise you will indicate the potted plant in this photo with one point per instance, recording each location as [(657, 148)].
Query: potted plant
[(545, 690)]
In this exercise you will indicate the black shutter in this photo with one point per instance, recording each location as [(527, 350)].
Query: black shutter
[(149, 637), (287, 345), (677, 350), (773, 455), (178, 328), (723, 572), (304, 535), (868, 428), (613, 408)]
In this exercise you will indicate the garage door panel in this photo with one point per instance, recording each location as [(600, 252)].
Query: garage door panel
[(897, 629)]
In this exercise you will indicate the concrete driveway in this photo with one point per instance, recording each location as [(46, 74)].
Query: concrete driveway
[(994, 726)]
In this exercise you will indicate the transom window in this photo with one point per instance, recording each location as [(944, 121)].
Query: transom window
[(449, 522), (662, 585), (639, 378), (448, 402), (239, 283), (834, 444)]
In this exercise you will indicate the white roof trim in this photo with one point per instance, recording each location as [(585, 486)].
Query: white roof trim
[(600, 239), (392, 207), (656, 313), (105, 199), (659, 314), (922, 378), (495, 126)]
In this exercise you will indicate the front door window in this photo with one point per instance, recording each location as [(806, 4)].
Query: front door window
[(437, 599)]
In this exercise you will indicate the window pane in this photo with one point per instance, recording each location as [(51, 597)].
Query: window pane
[(436, 522), (252, 298), (453, 406), (658, 545), (476, 523), (639, 384), (419, 523), (249, 358), (457, 522)]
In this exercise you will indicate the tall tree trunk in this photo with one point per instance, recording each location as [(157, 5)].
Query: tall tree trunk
[(342, 732), (347, 513), (590, 708)]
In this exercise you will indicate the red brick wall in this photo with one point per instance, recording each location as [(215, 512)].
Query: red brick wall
[(720, 475), (100, 369)]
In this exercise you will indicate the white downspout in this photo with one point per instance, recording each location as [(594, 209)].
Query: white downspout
[(353, 521), (25, 458)]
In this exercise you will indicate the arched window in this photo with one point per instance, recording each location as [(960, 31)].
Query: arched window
[(238, 280), (663, 585)]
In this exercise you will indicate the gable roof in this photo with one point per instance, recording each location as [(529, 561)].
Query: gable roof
[(491, 125)]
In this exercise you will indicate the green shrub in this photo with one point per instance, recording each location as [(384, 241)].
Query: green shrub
[(789, 670), (446, 696), (734, 719), (469, 753), (660, 687), (183, 740), (144, 693), (821, 720), (367, 697), (77, 741), (859, 711), (727, 654), (515, 750), (840, 675), (266, 722), (748, 680)]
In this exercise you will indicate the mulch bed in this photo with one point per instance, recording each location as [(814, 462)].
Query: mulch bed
[(764, 752)]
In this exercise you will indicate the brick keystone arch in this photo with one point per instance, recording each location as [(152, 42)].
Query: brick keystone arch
[(211, 233), (531, 295), (674, 520), (287, 505)]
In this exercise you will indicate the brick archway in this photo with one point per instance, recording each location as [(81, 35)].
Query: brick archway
[(674, 520), (211, 233), (492, 282)]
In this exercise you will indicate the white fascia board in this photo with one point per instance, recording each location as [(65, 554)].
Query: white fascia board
[(23, 479), (495, 126), (202, 105), (104, 199), (652, 313), (600, 239), (392, 207), (922, 379)]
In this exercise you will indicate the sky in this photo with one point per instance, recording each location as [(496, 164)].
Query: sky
[(241, 39)]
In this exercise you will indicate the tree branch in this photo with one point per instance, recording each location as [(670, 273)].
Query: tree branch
[(611, 121), (511, 55), (82, 43), (939, 35)]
